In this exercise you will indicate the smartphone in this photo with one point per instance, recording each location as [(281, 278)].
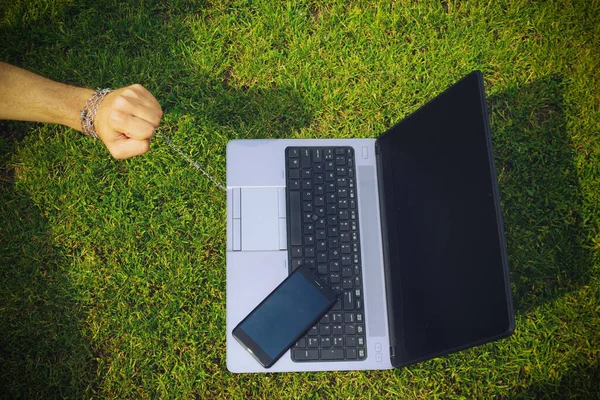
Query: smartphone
[(284, 316)]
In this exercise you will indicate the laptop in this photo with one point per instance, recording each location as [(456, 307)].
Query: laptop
[(406, 227)]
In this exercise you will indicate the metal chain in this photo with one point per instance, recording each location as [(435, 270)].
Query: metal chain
[(192, 162)]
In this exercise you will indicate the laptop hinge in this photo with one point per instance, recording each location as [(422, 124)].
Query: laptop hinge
[(386, 254)]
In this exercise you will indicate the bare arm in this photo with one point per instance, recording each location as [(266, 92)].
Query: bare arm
[(125, 121)]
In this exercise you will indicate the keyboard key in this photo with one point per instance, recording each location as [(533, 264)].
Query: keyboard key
[(361, 353), (309, 229), (294, 174), (293, 152), (348, 300), (317, 155), (338, 305), (349, 329), (338, 329), (349, 318), (305, 158), (297, 251), (350, 341), (334, 278), (351, 354), (332, 354), (295, 219), (296, 263), (321, 245), (306, 355)]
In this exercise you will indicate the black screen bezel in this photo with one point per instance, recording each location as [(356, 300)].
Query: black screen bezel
[(257, 352)]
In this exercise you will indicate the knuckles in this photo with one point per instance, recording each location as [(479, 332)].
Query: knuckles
[(120, 102), (116, 116)]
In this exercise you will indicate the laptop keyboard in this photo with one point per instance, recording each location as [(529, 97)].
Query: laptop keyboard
[(323, 234)]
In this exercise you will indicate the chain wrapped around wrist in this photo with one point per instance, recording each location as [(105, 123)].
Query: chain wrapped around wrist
[(88, 113)]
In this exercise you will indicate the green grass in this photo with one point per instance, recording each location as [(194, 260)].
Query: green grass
[(112, 273)]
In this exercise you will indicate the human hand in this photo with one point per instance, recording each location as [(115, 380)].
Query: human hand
[(126, 121)]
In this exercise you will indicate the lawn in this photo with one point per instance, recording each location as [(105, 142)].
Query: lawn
[(112, 273)]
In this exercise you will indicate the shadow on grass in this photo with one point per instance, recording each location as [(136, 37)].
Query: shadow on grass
[(43, 353), (540, 192), (578, 383)]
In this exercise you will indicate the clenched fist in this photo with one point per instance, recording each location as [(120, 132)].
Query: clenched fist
[(126, 120)]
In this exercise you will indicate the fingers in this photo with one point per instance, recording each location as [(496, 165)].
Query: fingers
[(133, 126), (131, 103), (127, 148)]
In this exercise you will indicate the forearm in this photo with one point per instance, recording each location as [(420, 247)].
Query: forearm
[(26, 96)]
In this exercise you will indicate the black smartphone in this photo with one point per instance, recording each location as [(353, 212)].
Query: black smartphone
[(284, 316)]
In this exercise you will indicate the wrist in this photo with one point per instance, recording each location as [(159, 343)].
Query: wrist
[(76, 102)]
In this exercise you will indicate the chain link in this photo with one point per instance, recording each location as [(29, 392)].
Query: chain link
[(192, 162)]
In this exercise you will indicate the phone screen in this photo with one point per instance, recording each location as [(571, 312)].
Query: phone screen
[(287, 313)]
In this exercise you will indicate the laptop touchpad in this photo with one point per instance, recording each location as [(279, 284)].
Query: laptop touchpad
[(260, 219)]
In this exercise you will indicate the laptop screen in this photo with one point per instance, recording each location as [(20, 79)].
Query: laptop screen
[(448, 286)]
